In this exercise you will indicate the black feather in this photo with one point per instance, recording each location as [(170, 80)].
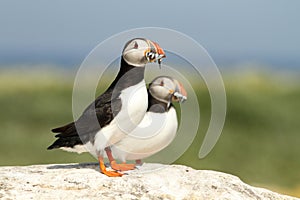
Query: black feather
[(66, 142), (99, 113)]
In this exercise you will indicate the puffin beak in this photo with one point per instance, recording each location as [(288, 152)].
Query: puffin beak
[(159, 50), (155, 52), (180, 93)]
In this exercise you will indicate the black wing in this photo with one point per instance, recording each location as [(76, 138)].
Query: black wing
[(98, 114)]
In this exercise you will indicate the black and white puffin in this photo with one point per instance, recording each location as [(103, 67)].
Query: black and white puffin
[(159, 125), (117, 111)]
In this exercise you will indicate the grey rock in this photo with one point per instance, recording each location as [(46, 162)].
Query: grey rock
[(150, 181)]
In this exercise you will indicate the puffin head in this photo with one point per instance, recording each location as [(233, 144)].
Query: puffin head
[(167, 89), (139, 51)]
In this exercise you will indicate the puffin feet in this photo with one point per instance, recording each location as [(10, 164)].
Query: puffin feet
[(122, 166), (116, 166), (107, 173)]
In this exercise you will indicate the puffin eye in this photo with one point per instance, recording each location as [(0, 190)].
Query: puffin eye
[(161, 83), (136, 45)]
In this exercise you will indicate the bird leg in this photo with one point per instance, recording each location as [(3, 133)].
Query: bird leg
[(116, 166), (138, 162), (104, 171)]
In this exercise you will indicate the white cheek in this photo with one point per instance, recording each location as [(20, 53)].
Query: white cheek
[(135, 58)]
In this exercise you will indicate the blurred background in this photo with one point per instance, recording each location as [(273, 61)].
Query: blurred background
[(254, 43)]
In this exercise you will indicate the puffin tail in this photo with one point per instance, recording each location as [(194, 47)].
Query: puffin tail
[(64, 129), (67, 142), (67, 137)]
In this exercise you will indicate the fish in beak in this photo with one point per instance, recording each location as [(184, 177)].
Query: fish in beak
[(154, 53), (180, 94)]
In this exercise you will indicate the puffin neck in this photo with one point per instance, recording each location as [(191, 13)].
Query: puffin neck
[(128, 75), (157, 106)]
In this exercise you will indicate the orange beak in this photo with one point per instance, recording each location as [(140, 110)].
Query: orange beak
[(180, 92), (155, 52), (159, 50)]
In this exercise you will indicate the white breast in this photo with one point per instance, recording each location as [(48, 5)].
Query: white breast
[(155, 132), (134, 105)]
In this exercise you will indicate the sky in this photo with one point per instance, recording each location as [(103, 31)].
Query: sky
[(232, 31)]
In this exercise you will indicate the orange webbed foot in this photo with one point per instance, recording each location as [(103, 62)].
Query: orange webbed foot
[(122, 166), (107, 173), (112, 173), (114, 165)]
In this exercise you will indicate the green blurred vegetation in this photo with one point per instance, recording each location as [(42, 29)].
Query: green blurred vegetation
[(259, 143)]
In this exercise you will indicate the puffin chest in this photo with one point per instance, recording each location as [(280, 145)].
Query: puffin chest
[(134, 104)]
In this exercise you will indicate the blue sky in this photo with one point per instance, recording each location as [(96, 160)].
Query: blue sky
[(232, 31)]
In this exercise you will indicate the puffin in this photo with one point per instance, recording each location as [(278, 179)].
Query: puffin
[(116, 112), (159, 125)]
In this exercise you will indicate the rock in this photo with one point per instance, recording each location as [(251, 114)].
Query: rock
[(150, 181)]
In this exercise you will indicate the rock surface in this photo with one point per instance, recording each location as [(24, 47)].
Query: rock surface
[(150, 181)]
